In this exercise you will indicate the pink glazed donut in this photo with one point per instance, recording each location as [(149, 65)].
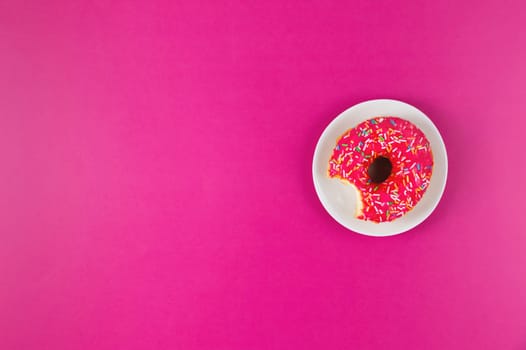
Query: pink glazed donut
[(389, 162)]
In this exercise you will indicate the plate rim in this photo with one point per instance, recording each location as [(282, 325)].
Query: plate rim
[(440, 192)]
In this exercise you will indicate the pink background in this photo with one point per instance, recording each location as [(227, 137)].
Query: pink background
[(156, 192)]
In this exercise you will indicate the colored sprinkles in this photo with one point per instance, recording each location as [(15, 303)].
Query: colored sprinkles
[(410, 154)]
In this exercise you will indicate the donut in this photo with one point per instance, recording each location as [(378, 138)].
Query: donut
[(389, 162)]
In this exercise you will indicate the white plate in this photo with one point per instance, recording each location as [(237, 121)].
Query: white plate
[(339, 199)]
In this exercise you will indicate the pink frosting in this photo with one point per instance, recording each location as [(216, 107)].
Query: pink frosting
[(409, 152)]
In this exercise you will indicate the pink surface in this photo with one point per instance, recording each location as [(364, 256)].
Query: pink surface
[(156, 190)]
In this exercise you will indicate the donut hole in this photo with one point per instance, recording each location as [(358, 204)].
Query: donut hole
[(380, 169)]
